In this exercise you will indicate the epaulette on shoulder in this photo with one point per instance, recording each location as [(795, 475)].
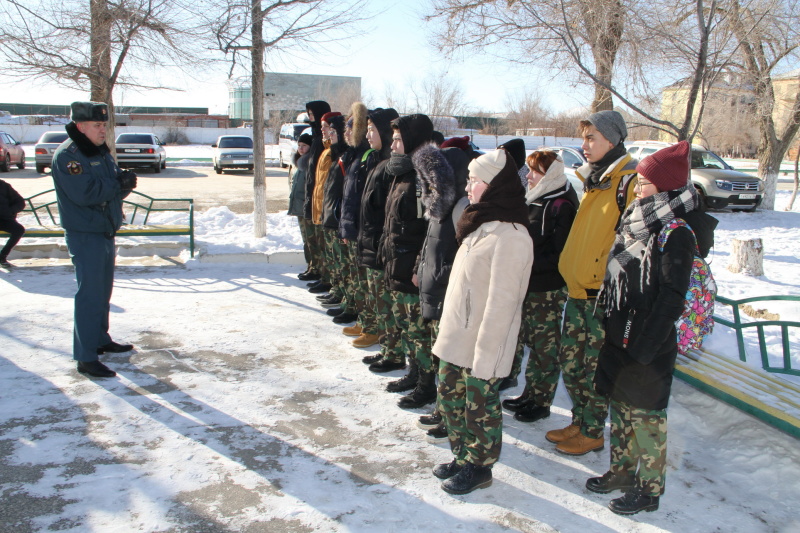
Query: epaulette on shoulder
[(72, 147)]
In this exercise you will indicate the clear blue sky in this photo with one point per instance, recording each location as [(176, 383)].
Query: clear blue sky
[(395, 50)]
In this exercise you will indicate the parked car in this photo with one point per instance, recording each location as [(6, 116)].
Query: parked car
[(233, 151), (287, 143), (141, 150), (46, 146), (11, 153), (718, 184), (573, 159)]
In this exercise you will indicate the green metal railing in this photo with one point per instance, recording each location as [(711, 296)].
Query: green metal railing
[(739, 326)]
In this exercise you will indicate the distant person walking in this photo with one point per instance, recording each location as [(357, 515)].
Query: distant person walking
[(89, 189), (11, 203)]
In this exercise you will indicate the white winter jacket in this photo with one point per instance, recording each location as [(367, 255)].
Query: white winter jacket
[(483, 304)]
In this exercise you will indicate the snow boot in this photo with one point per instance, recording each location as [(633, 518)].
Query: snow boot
[(437, 433), (447, 470), (369, 359), (530, 412), (407, 382), (634, 501), (515, 404), (560, 435), (423, 394), (580, 444), (429, 421), (469, 478), (386, 365), (610, 482), (365, 340)]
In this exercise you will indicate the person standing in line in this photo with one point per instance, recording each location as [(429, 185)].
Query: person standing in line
[(315, 110), (11, 203), (89, 190), (323, 167), (643, 294), (608, 188), (552, 204), (480, 320), (297, 199)]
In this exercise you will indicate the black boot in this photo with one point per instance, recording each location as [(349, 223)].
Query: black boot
[(437, 433), (345, 318), (515, 404), (634, 501), (386, 365), (423, 394), (374, 358), (508, 383), (609, 482), (429, 421), (336, 311), (308, 275), (320, 288), (113, 347), (530, 412), (407, 382), (96, 369), (447, 470), (469, 478)]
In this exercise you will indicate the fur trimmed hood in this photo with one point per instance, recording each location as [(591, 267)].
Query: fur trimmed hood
[(358, 114), (437, 181)]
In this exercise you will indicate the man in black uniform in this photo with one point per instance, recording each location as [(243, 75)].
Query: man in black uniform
[(90, 188)]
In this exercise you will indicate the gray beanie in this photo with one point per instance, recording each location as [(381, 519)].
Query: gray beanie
[(610, 124)]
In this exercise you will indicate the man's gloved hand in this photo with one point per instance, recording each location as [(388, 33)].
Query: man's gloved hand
[(127, 179)]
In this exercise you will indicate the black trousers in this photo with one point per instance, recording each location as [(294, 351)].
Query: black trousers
[(15, 229)]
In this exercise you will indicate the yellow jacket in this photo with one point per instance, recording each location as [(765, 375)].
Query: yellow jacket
[(323, 166), (583, 261)]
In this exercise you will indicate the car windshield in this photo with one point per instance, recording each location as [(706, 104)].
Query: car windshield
[(705, 159), (54, 137), (236, 142), (134, 138), (298, 130)]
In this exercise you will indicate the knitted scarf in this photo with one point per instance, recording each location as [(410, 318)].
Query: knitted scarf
[(597, 168), (503, 200), (631, 267), (399, 164)]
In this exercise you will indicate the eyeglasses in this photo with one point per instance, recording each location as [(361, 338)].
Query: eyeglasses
[(642, 183)]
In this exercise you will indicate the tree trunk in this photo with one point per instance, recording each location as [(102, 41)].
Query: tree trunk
[(100, 89), (747, 257), (769, 165), (259, 167), (796, 180)]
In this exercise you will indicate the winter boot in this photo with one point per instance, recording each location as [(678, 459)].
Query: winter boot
[(345, 318), (407, 382), (320, 288), (386, 365), (429, 421), (469, 478), (634, 501), (560, 435), (447, 470), (365, 340), (423, 394), (437, 433), (352, 331), (580, 444), (369, 359), (508, 383), (530, 412), (610, 482), (515, 404)]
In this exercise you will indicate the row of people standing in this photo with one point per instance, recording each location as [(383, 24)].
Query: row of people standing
[(461, 289)]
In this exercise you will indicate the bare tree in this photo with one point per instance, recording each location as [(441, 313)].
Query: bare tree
[(527, 112), (439, 96), (254, 28), (769, 38), (99, 45)]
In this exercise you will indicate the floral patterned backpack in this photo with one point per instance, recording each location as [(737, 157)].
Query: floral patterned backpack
[(697, 319)]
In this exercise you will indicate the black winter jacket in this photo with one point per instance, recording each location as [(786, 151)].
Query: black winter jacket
[(550, 218), (403, 233), (318, 108), (11, 202), (353, 189), (641, 374), (373, 212)]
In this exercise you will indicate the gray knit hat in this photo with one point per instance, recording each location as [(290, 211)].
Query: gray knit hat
[(610, 124)]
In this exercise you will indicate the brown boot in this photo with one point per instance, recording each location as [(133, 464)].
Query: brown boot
[(580, 445), (366, 340), (352, 331), (560, 435)]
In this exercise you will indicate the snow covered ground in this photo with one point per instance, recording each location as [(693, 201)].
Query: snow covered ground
[(243, 408)]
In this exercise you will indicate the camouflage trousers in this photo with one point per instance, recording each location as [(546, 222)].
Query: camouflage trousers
[(379, 299), (639, 438), (414, 332), (581, 340), (359, 289), (316, 245), (541, 331), (332, 254), (471, 411), (304, 236)]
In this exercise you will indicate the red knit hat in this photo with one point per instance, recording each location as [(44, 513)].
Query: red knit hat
[(329, 115), (668, 168), (456, 142)]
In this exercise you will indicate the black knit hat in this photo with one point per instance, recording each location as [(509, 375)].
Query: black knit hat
[(306, 138), (516, 149), (415, 130), (382, 119), (319, 108)]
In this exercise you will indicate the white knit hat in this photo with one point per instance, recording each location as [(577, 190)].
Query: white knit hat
[(487, 166)]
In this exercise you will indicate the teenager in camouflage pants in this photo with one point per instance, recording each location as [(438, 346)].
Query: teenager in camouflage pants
[(541, 328), (639, 434)]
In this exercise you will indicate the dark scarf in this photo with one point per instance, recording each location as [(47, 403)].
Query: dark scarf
[(503, 200), (399, 164), (596, 169), (87, 147), (631, 267)]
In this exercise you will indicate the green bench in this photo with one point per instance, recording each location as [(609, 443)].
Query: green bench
[(43, 207), (757, 391)]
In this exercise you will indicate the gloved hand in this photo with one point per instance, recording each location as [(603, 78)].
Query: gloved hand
[(127, 179)]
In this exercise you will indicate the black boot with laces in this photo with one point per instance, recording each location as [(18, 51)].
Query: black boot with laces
[(634, 501)]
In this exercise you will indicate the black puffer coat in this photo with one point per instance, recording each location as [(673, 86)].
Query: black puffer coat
[(354, 181), (341, 155), (376, 190), (11, 202), (442, 175), (641, 374), (318, 108), (550, 218)]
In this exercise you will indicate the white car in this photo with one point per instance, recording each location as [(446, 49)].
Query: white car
[(287, 144), (141, 150), (233, 151)]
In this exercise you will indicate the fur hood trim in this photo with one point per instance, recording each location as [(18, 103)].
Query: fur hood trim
[(358, 114), (437, 180)]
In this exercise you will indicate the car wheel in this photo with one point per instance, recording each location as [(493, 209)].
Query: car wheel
[(250, 168), (280, 160), (157, 167), (21, 164), (702, 197), (164, 164), (6, 165), (40, 169), (218, 170)]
